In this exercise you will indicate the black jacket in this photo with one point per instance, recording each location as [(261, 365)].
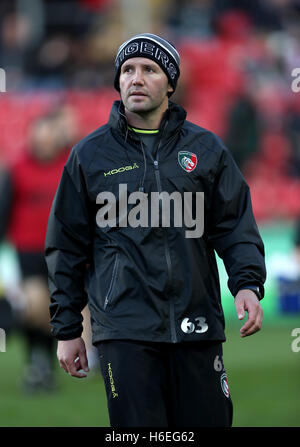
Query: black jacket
[(148, 283)]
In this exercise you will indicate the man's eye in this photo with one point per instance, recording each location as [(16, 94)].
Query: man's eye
[(149, 69)]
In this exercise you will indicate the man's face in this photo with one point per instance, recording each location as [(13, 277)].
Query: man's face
[(143, 85)]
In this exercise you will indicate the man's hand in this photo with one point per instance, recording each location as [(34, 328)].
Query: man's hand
[(72, 356), (246, 300)]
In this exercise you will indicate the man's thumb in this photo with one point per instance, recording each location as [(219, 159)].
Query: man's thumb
[(240, 311)]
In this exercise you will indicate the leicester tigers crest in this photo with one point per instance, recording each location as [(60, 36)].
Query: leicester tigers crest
[(187, 160)]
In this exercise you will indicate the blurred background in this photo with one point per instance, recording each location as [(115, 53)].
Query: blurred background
[(238, 79)]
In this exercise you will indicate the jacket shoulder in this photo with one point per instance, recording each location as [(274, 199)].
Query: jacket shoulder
[(84, 151), (211, 141)]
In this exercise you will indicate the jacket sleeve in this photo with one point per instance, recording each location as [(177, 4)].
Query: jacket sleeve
[(232, 229), (67, 248)]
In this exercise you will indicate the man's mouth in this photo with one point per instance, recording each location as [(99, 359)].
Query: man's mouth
[(137, 94)]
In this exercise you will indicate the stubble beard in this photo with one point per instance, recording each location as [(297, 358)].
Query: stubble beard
[(142, 108)]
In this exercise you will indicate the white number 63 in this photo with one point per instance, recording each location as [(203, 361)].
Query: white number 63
[(188, 326)]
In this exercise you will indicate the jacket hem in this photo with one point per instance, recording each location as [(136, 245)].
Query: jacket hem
[(159, 339)]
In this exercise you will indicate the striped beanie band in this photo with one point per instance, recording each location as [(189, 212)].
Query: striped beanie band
[(152, 47)]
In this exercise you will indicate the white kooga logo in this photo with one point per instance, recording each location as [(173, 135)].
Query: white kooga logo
[(160, 207)]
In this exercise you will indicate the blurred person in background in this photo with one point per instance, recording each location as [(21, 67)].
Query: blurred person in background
[(27, 189), (153, 293), (15, 47)]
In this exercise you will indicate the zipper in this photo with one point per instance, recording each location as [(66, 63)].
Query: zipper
[(112, 282), (167, 254)]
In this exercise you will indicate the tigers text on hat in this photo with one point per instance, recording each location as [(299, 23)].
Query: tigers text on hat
[(152, 47)]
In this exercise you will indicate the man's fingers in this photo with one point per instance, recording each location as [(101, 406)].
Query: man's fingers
[(73, 369), (83, 361), (252, 330), (246, 301), (253, 324), (72, 356), (250, 323), (63, 365)]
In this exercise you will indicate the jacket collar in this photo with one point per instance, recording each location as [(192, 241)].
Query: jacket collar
[(172, 121)]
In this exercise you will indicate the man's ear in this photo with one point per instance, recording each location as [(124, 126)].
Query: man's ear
[(170, 89)]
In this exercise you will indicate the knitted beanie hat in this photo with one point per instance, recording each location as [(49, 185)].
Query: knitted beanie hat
[(152, 47)]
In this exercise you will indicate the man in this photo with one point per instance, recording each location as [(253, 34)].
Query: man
[(152, 285), (27, 188)]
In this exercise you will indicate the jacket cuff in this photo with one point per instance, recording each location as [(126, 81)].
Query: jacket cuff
[(255, 289), (67, 335)]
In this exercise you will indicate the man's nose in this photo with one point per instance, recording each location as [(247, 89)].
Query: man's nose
[(138, 77)]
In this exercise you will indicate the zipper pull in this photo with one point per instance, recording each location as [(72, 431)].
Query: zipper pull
[(156, 164)]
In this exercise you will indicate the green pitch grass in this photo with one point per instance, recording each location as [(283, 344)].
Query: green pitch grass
[(263, 374)]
